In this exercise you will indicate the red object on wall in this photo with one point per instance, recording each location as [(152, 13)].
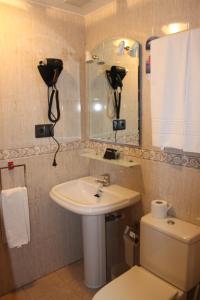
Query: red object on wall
[(11, 165), (148, 65), (148, 48)]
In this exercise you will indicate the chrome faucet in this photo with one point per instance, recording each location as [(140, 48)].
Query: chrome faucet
[(104, 179)]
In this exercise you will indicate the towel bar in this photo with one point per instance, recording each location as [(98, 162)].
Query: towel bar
[(12, 166)]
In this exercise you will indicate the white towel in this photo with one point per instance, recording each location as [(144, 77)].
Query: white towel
[(168, 77), (16, 216), (192, 100)]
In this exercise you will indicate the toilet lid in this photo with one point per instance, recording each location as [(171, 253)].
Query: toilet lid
[(138, 284)]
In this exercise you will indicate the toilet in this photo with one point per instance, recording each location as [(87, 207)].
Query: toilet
[(170, 263)]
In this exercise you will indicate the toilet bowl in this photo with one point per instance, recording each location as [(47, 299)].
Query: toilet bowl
[(170, 263)]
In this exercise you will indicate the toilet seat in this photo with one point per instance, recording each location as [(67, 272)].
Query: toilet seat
[(139, 284)]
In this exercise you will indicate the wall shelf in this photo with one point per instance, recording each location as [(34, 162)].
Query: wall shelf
[(118, 162)]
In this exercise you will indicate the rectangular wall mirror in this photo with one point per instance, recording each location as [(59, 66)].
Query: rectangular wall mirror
[(113, 72)]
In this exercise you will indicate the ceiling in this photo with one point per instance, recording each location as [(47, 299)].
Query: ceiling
[(78, 3), (82, 7)]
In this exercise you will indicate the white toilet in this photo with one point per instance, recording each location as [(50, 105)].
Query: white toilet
[(170, 263)]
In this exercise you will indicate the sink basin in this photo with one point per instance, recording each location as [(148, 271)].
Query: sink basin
[(79, 196)]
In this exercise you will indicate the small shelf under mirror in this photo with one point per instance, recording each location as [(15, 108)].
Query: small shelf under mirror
[(118, 162)]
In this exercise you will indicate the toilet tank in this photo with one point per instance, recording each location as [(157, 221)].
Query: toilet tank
[(170, 248)]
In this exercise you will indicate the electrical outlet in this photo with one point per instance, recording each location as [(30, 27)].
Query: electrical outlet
[(119, 125), (44, 130)]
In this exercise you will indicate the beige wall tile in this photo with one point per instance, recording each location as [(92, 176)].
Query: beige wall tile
[(140, 19), (38, 32), (55, 233), (28, 34)]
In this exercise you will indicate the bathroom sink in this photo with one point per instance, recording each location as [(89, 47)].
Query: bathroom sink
[(88, 198), (81, 196)]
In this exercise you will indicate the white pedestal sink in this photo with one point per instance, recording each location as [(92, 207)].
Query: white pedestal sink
[(79, 196)]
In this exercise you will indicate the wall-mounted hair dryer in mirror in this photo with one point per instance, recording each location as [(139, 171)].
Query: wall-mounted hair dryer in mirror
[(115, 77)]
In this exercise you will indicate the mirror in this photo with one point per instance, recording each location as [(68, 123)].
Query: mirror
[(113, 72)]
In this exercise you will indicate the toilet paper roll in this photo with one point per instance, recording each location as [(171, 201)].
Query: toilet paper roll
[(159, 209)]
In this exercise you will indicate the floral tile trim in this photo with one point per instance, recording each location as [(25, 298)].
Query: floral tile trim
[(179, 159), (182, 159), (40, 149), (122, 138)]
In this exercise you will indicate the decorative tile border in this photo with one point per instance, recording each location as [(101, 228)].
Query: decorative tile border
[(122, 138), (40, 149), (178, 159)]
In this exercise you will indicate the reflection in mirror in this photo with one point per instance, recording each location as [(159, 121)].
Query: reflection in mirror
[(113, 70)]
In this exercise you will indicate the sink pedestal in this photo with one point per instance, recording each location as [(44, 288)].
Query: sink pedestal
[(94, 248)]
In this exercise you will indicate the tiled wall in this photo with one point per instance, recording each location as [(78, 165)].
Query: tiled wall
[(28, 34), (172, 177), (140, 19), (55, 232), (157, 178), (38, 32)]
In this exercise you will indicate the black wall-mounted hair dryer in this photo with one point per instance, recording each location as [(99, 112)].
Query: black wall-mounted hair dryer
[(50, 70)]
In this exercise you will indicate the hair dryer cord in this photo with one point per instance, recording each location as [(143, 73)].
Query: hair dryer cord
[(54, 119)]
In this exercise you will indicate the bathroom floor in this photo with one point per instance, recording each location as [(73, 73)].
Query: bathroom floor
[(65, 284)]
